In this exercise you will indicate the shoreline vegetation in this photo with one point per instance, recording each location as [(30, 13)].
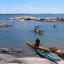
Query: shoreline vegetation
[(24, 18)]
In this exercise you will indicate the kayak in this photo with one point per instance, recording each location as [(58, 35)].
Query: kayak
[(47, 55), (38, 31), (38, 47), (55, 50)]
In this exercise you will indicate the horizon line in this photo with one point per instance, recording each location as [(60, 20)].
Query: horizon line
[(31, 13)]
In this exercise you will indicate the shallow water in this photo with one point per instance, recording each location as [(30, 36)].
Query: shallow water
[(16, 35)]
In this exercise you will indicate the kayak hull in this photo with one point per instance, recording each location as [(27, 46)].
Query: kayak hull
[(39, 32), (40, 47), (47, 55)]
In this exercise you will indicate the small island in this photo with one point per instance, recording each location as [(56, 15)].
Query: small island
[(4, 25), (24, 18)]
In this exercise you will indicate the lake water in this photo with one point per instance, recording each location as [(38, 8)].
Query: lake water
[(16, 35)]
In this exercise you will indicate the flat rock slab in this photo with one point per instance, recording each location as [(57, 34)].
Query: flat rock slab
[(61, 62), (30, 60)]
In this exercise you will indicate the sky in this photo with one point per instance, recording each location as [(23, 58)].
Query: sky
[(32, 6)]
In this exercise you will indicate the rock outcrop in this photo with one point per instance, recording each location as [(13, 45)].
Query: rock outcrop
[(5, 50), (36, 18), (4, 25)]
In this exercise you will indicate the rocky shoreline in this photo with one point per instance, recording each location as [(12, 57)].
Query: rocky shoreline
[(6, 57), (9, 51), (24, 18)]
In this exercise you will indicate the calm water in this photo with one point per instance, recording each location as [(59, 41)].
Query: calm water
[(16, 35)]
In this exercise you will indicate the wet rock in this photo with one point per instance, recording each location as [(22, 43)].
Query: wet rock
[(18, 51), (4, 25), (61, 19), (5, 50)]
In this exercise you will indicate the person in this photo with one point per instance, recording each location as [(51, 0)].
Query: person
[(54, 26), (35, 29), (39, 30), (37, 42)]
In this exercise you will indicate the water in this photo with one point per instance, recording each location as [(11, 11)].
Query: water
[(16, 35)]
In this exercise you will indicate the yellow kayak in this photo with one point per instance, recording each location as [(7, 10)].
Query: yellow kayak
[(38, 31), (40, 47)]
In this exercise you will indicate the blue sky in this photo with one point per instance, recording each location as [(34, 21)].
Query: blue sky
[(32, 6)]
